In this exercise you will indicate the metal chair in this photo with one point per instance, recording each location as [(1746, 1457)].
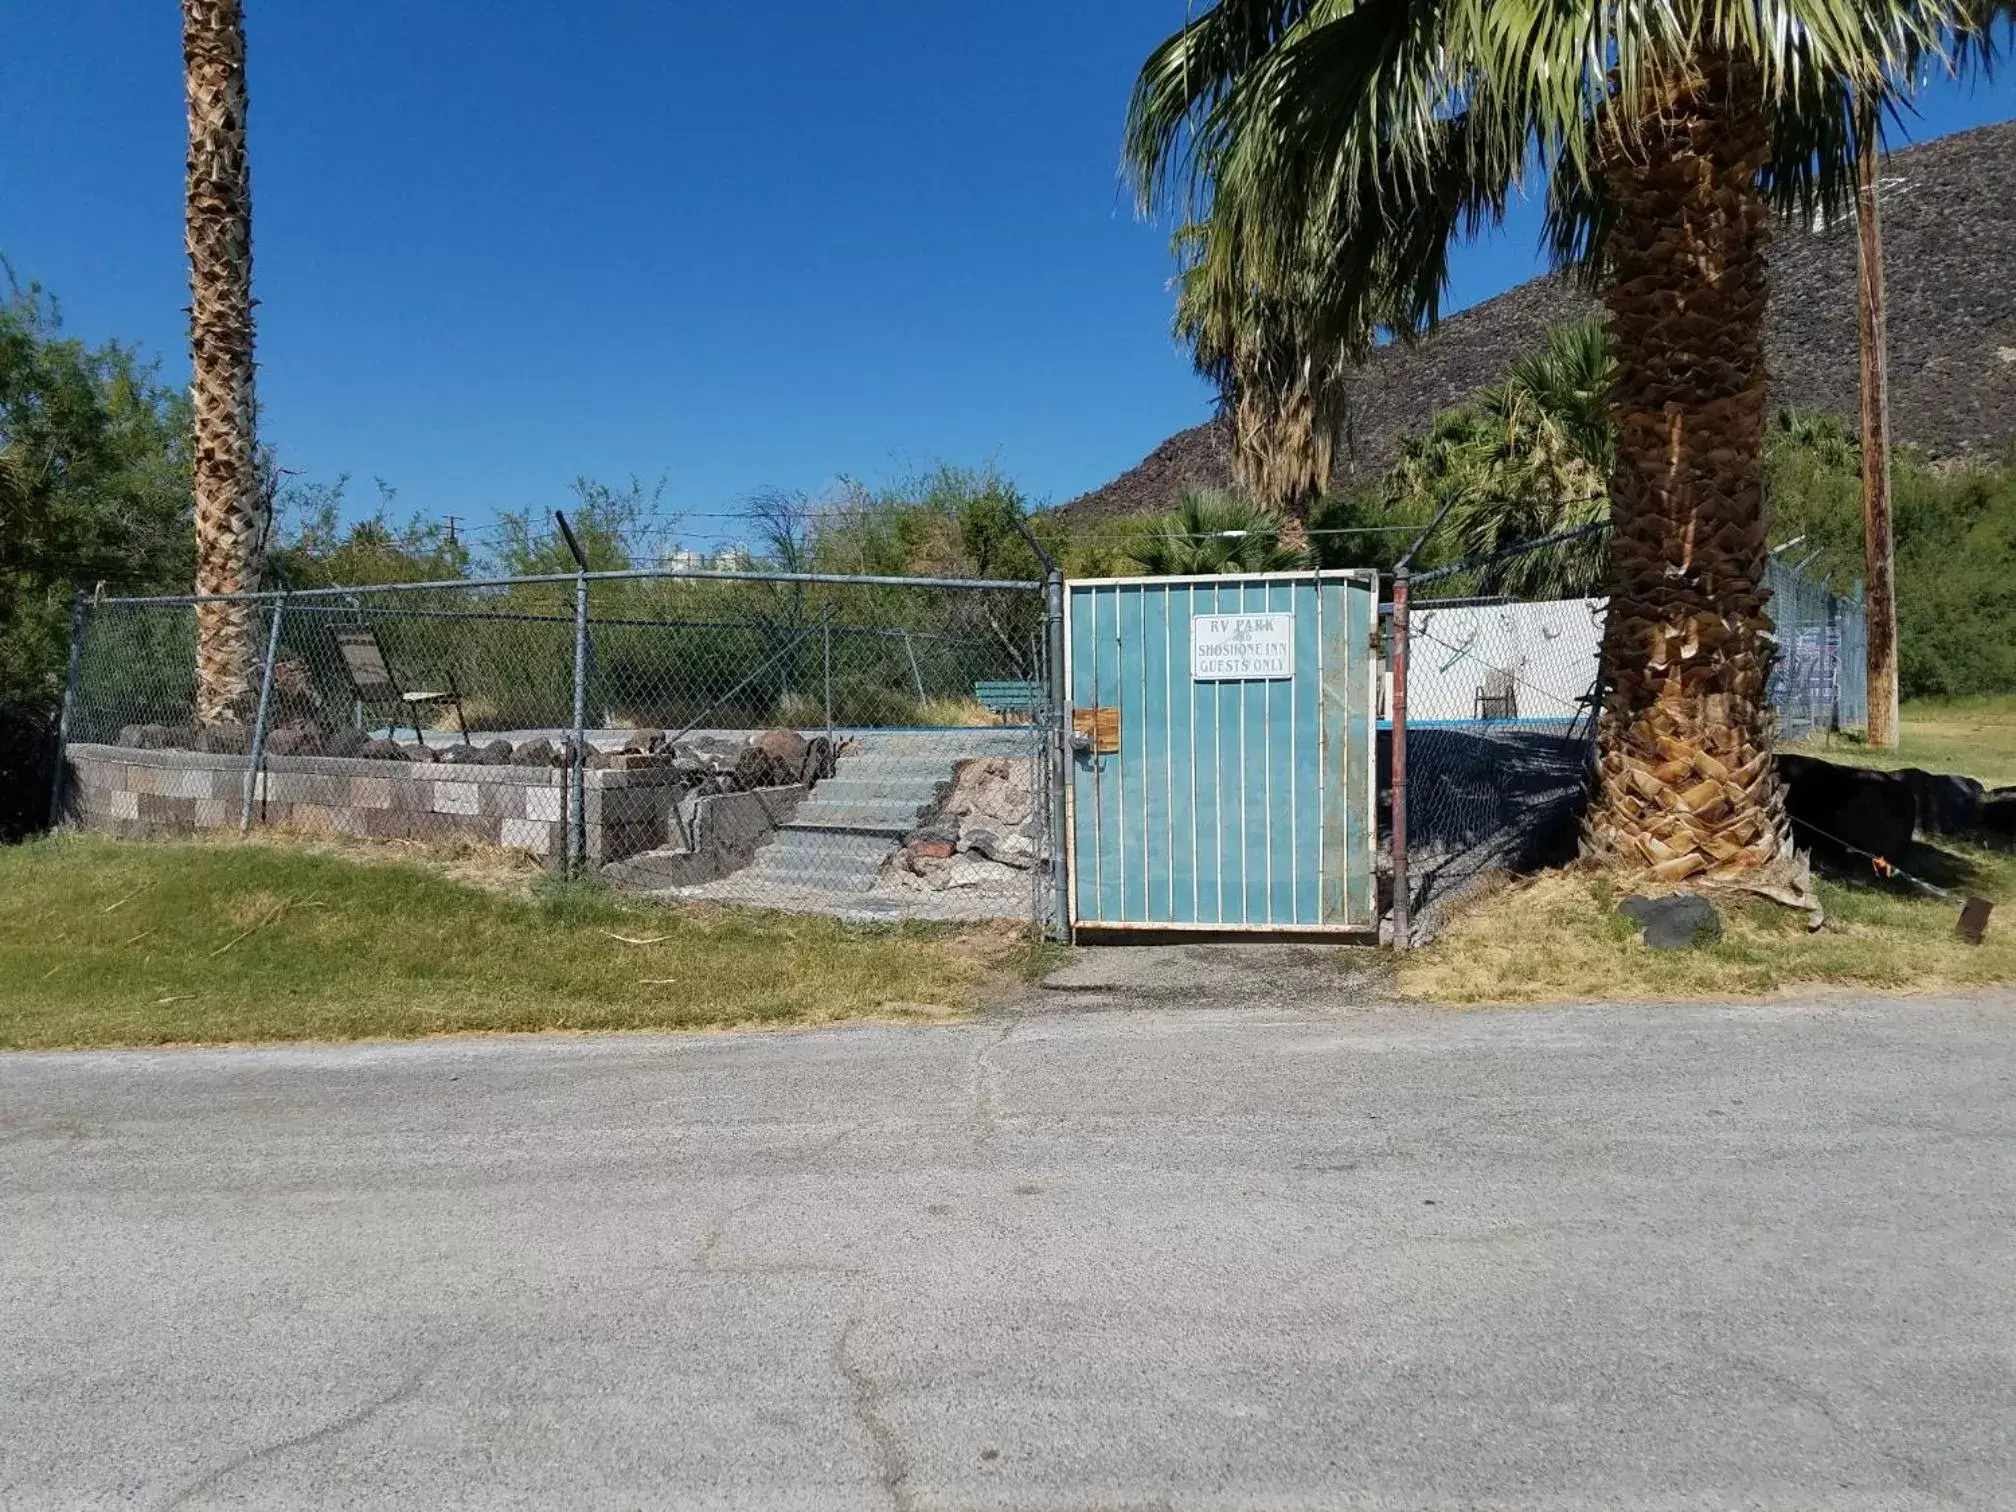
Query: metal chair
[(1498, 698), (372, 680)]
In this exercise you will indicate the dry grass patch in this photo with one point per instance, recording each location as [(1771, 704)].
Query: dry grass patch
[(117, 942), (1975, 737), (1559, 938)]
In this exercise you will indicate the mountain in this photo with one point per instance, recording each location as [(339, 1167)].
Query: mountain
[(1949, 245)]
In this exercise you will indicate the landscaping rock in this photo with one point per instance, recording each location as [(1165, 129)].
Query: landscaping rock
[(533, 753), (930, 850), (295, 740), (344, 742), (774, 758), (1013, 849), (496, 753), (384, 750), (1679, 922), (645, 740), (1845, 814), (1947, 805), (147, 737), (421, 753), (224, 740), (459, 755)]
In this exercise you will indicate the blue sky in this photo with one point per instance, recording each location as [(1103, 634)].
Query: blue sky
[(736, 246)]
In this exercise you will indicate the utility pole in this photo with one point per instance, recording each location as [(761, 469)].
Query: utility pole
[(1880, 555), (451, 530)]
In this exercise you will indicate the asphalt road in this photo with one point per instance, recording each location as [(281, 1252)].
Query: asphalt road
[(1603, 1258)]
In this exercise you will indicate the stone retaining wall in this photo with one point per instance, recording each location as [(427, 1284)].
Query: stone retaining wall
[(137, 792)]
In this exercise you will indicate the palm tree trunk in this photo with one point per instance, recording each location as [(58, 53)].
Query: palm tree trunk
[(229, 509), (1686, 783)]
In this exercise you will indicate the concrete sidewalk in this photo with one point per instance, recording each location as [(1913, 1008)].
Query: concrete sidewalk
[(1674, 1257)]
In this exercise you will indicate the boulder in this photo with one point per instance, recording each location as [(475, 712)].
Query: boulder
[(384, 750), (997, 792), (459, 755), (1846, 814), (774, 758), (533, 753), (295, 740), (416, 752), (496, 753), (645, 740), (1679, 922), (227, 739), (147, 737), (1947, 805), (344, 742), (1012, 849)]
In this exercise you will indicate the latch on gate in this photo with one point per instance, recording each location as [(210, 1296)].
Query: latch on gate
[(1096, 730)]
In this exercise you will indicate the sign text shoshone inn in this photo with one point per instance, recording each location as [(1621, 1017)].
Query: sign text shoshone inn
[(1241, 645)]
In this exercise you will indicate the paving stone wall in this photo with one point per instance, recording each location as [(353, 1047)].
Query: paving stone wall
[(138, 792)]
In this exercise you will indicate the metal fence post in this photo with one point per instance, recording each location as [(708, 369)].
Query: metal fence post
[(577, 780), (80, 609), (1402, 925), (257, 755), (826, 634), (1058, 756), (577, 767)]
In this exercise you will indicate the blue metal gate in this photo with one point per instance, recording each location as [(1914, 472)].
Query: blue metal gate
[(1222, 776)]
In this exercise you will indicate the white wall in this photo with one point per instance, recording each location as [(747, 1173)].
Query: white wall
[(1549, 648)]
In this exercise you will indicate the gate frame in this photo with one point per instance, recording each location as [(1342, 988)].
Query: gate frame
[(1066, 838)]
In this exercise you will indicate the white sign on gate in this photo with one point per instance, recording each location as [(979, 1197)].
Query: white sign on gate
[(1241, 645)]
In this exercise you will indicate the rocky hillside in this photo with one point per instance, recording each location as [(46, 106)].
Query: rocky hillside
[(1949, 229)]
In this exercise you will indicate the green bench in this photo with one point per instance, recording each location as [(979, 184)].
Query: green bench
[(1005, 698)]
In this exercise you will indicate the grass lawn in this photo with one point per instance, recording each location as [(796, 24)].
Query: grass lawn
[(1559, 938), (1975, 737), (122, 942)]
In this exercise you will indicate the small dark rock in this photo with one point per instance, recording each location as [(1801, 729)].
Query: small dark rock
[(533, 753), (383, 750), (1679, 922)]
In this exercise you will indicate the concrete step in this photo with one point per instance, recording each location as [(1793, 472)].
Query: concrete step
[(821, 858), (878, 788), (883, 818)]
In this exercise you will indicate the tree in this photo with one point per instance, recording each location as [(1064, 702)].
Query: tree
[(1524, 460), (230, 507), (1342, 132), (94, 486), (1213, 530), (1281, 367)]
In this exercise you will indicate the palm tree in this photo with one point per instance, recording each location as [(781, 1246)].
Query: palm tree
[(1280, 368), (1347, 131), (230, 505), (1210, 531), (1524, 460)]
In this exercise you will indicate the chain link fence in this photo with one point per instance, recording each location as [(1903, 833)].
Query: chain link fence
[(1493, 687), (869, 747)]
